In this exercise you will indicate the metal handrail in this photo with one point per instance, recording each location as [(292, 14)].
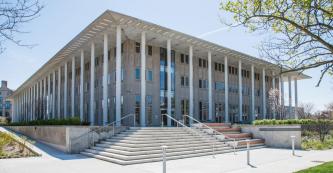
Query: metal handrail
[(101, 127), (188, 128), (214, 131)]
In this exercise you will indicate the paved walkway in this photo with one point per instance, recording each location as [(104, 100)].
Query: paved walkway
[(262, 160)]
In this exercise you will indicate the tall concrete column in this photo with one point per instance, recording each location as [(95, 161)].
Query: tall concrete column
[(32, 102), (118, 75), (290, 96), (282, 95), (252, 94), (81, 84), (92, 84), (169, 80), (37, 100), (296, 99), (59, 93), (105, 79), (226, 90), (210, 99), (273, 83), (25, 105), (191, 99), (65, 90), (143, 80), (41, 99), (44, 100), (264, 111), (240, 91), (53, 94), (48, 96), (73, 88)]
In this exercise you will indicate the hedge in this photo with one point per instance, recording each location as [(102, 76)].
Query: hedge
[(291, 122), (67, 121)]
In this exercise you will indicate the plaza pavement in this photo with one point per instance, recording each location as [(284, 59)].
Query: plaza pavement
[(262, 160)]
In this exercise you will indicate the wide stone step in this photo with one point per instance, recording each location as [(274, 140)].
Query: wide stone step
[(157, 143), (126, 162), (156, 128), (252, 142), (149, 146), (154, 132), (155, 155), (157, 150), (233, 129), (160, 139), (218, 125), (152, 154), (239, 135), (154, 137)]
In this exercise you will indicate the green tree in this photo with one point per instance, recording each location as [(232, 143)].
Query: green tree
[(301, 31)]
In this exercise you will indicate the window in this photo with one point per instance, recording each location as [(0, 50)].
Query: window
[(203, 63), (149, 76), (219, 86), (184, 106), (182, 58), (186, 59), (184, 81), (219, 111), (203, 112), (203, 83), (137, 109), (149, 109), (150, 50), (137, 73), (219, 67), (137, 47)]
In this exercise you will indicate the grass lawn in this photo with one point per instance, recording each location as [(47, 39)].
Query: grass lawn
[(323, 168)]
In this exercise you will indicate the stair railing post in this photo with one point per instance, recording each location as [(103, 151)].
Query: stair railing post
[(213, 145), (164, 147), (293, 144), (113, 129), (248, 151)]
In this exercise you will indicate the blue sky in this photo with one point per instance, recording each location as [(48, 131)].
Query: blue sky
[(61, 20)]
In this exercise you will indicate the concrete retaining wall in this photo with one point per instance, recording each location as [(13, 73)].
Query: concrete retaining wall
[(277, 136), (70, 139)]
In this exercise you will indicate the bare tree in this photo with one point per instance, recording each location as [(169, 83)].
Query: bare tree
[(305, 110), (274, 103), (329, 106), (13, 14), (301, 32)]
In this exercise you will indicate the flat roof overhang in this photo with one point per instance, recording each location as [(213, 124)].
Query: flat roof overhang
[(109, 19)]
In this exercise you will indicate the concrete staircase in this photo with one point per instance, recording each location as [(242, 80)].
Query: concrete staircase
[(142, 145), (235, 132)]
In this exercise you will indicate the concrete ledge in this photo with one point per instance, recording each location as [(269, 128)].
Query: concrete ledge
[(276, 136), (280, 129), (70, 139)]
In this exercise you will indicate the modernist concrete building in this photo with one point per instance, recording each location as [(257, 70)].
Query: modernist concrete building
[(120, 65), (5, 103)]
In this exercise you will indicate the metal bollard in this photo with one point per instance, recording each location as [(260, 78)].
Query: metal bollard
[(248, 151), (293, 144), (164, 147)]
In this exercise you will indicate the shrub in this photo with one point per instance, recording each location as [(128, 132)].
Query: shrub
[(293, 122), (68, 121)]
